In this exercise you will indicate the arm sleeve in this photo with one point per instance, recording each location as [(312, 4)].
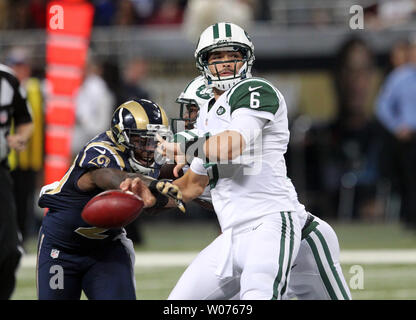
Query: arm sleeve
[(247, 124), (183, 136), (101, 156), (22, 111), (388, 106), (197, 166)]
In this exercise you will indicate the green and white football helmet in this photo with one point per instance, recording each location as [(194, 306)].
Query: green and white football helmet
[(224, 36), (191, 99)]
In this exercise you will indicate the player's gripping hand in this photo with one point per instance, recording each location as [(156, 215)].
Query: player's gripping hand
[(137, 186), (166, 188)]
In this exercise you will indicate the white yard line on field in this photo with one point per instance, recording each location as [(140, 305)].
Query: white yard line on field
[(399, 256), (184, 258), (143, 259)]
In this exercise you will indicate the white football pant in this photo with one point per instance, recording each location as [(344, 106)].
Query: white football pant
[(317, 273), (254, 259)]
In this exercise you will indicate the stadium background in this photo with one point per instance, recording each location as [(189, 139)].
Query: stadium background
[(297, 45)]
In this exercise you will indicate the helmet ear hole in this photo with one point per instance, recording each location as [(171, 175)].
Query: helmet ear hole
[(204, 58), (244, 53)]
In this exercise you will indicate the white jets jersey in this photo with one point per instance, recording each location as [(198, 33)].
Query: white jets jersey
[(254, 185), (202, 116), (299, 208)]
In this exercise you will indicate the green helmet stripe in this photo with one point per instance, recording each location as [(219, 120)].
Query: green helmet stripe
[(216, 31), (227, 30)]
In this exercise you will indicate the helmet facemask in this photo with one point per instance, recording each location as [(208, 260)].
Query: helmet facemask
[(142, 144), (224, 36), (224, 83), (142, 148), (190, 101), (134, 126), (188, 113)]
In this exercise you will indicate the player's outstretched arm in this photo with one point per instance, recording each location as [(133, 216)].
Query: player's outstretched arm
[(165, 193), (192, 185), (244, 130), (103, 178), (226, 145), (109, 178)]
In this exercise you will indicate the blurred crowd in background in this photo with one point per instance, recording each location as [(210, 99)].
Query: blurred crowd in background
[(28, 14), (358, 165)]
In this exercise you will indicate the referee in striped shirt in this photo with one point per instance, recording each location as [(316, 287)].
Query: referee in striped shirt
[(13, 109)]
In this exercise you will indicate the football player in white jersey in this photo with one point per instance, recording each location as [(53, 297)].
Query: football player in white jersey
[(191, 100), (316, 272), (260, 239), (260, 231)]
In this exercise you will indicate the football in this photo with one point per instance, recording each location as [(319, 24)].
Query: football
[(112, 209)]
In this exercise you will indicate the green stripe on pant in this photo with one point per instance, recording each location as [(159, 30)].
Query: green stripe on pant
[(281, 256), (331, 264), (276, 293), (326, 259), (289, 264)]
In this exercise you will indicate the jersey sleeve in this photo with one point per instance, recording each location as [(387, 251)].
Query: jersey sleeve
[(184, 136), (22, 112), (255, 95), (100, 155), (248, 126), (197, 166)]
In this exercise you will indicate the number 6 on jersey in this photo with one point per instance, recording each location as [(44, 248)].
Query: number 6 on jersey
[(254, 102)]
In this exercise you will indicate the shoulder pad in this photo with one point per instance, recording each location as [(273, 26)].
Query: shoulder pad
[(101, 155), (254, 93)]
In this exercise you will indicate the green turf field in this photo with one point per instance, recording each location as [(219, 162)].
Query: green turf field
[(382, 280)]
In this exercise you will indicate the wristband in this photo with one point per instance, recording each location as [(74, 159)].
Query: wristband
[(194, 145)]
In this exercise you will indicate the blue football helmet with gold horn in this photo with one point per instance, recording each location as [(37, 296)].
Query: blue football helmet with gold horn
[(134, 126)]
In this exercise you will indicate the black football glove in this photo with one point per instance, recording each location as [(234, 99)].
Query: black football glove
[(164, 189)]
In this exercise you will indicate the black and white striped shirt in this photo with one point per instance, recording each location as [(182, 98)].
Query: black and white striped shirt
[(13, 105)]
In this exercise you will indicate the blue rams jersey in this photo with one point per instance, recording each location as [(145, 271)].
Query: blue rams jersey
[(63, 222)]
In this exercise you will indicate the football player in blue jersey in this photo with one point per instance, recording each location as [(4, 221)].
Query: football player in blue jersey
[(74, 256)]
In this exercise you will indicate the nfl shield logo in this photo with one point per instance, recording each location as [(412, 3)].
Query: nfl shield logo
[(54, 253)]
